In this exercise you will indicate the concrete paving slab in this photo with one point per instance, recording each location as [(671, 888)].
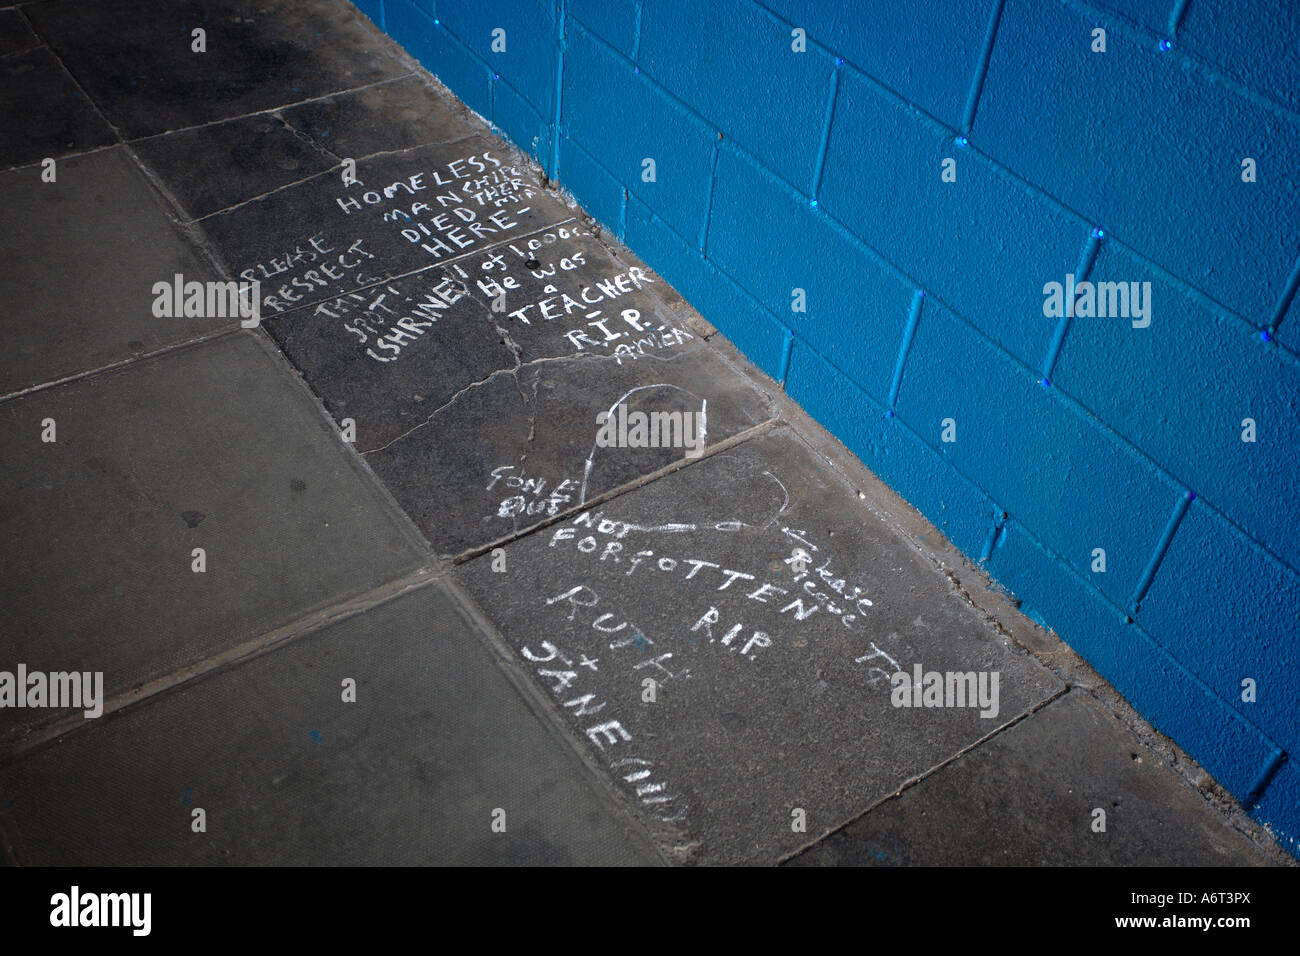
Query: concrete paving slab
[(321, 239), (287, 773), (136, 58), (214, 167), (15, 34), (391, 116), (1029, 797), (389, 356), (521, 447), (43, 113), (771, 720), (455, 403), (77, 294), (215, 447)]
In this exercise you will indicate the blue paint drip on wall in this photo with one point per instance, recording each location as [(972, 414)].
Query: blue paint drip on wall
[(832, 160)]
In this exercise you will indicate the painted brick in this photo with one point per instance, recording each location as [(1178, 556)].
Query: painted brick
[(982, 244), (440, 54), (733, 63), (1162, 690), (522, 124), (715, 296), (927, 52), (953, 505), (1053, 470), (1149, 150), (530, 58), (620, 119), (1231, 612), (1179, 390), (1152, 14), (614, 21), (1253, 41), (770, 242), (598, 192)]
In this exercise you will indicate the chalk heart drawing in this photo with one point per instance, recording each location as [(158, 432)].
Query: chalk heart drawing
[(590, 461)]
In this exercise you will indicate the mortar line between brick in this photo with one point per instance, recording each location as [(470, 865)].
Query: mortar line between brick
[(1078, 409), (1288, 295), (909, 332), (560, 21), (726, 276), (1176, 16), (977, 83), (224, 660), (636, 30), (1162, 547), (708, 199), (824, 148), (995, 536), (492, 76), (691, 114), (1029, 188), (897, 272), (1265, 778), (1083, 270), (1208, 71), (845, 232), (726, 444), (911, 782)]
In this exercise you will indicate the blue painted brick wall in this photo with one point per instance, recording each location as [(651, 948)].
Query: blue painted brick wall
[(822, 171)]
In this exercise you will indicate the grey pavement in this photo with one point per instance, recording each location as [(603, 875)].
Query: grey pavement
[(1027, 788), (437, 740), (362, 583)]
